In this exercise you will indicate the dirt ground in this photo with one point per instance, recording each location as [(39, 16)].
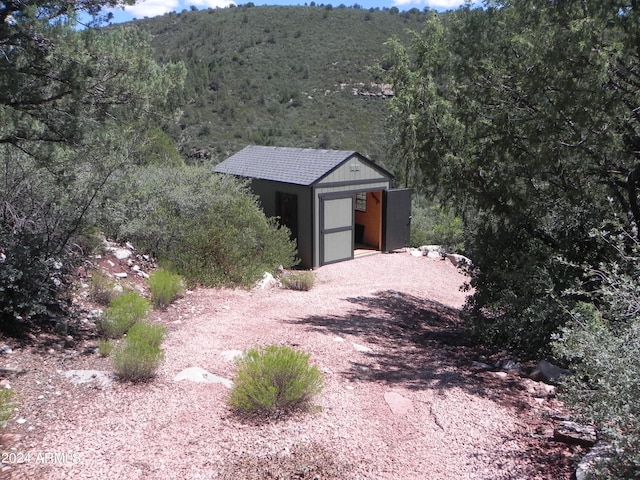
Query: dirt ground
[(402, 399)]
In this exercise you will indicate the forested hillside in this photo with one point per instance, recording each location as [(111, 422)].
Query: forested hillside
[(281, 76)]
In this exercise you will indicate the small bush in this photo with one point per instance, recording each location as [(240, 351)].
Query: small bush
[(101, 288), (123, 312), (139, 356), (6, 405), (166, 287), (105, 347), (274, 379), (298, 281)]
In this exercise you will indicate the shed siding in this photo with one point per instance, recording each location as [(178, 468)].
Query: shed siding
[(352, 170), (266, 191)]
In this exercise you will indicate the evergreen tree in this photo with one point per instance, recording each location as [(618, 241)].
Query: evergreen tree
[(74, 107)]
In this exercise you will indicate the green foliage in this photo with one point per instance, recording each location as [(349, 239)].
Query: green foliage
[(105, 347), (502, 114), (74, 107), (274, 379), (205, 227), (7, 405), (298, 281), (138, 357), (166, 287), (123, 312), (433, 224), (300, 55), (601, 343), (30, 280), (101, 288)]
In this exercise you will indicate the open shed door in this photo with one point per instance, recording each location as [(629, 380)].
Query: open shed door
[(396, 218), (336, 229)]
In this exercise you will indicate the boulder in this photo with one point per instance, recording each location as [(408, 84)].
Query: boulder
[(547, 372), (573, 433), (268, 281), (457, 260), (599, 452)]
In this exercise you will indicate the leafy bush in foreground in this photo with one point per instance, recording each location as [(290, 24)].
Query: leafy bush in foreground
[(274, 379), (139, 356), (123, 312), (601, 343)]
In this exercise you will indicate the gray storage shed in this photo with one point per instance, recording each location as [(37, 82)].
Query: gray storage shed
[(333, 201)]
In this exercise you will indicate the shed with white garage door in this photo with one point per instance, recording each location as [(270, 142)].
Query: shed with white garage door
[(335, 202)]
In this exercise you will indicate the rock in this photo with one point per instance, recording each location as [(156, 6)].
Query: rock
[(599, 452), (121, 275), (200, 375), (361, 348), (80, 377), (268, 281), (573, 433), (431, 248), (456, 260), (510, 366), (398, 404), (415, 253), (6, 349), (121, 253), (481, 366), (539, 389), (232, 355), (433, 251), (547, 372)]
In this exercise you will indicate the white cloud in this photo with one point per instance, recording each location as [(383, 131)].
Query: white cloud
[(440, 4), (212, 3), (153, 8)]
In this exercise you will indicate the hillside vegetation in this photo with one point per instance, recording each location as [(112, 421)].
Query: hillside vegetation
[(281, 76)]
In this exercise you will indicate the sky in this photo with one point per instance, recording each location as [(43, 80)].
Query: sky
[(152, 8)]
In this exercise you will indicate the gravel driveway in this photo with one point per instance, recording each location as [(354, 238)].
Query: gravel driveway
[(400, 400)]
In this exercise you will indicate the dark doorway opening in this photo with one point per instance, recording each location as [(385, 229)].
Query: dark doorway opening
[(287, 212)]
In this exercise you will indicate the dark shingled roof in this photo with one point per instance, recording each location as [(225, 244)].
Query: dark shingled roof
[(300, 166)]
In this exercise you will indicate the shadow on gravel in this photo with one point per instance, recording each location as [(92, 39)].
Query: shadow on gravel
[(415, 343), (419, 344)]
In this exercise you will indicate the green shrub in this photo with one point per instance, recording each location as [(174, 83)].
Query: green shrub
[(432, 224), (30, 281), (601, 344), (123, 312), (298, 281), (274, 379), (165, 287), (105, 347), (139, 355), (101, 288), (6, 405), (208, 229)]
